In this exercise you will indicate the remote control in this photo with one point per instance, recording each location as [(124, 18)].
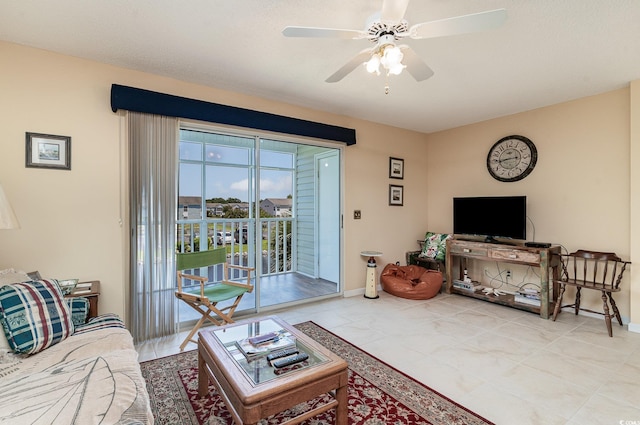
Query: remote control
[(282, 353), (288, 361)]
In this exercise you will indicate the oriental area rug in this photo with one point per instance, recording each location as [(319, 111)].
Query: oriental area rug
[(378, 394)]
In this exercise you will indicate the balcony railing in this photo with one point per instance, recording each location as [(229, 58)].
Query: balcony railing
[(275, 242)]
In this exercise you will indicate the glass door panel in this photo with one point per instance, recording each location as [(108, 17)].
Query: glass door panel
[(273, 205)]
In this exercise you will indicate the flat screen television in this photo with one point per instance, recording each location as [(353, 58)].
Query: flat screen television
[(491, 216)]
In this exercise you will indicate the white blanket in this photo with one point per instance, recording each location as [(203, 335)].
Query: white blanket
[(91, 378)]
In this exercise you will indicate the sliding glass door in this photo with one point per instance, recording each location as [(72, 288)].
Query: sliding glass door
[(273, 204)]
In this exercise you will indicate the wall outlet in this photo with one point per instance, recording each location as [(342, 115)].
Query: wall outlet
[(508, 274), (357, 214)]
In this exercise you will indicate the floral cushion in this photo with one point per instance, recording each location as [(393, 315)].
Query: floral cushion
[(435, 246), (34, 315)]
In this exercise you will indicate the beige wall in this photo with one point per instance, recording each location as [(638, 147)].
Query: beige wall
[(71, 221), (578, 194)]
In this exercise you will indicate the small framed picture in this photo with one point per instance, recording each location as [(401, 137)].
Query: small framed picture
[(48, 151), (396, 195), (396, 168)]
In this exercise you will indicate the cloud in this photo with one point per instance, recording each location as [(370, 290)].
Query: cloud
[(269, 188), (241, 186), (280, 186)]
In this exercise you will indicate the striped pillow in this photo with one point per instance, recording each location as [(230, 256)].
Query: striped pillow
[(79, 308), (107, 320), (34, 315)]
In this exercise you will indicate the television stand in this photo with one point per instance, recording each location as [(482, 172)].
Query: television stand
[(491, 239), (544, 258)]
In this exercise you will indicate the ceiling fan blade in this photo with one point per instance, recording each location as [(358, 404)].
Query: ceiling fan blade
[(393, 10), (322, 33), (419, 70), (356, 61), (459, 24)]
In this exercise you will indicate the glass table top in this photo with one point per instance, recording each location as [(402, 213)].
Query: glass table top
[(259, 370)]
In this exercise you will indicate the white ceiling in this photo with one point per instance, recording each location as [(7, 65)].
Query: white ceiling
[(549, 51)]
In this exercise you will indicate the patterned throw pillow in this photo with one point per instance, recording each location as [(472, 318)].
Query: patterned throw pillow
[(435, 246), (7, 277), (107, 320), (79, 308), (34, 315)]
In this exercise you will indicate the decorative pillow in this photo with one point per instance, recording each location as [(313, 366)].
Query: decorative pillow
[(7, 277), (435, 246), (34, 315), (107, 320), (79, 308)]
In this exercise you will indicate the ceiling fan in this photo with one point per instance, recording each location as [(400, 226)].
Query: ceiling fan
[(387, 27)]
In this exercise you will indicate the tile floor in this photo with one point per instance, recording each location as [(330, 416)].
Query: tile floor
[(507, 365)]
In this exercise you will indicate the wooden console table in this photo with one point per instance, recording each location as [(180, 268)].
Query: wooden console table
[(543, 258)]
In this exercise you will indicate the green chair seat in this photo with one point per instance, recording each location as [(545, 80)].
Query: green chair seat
[(218, 292)]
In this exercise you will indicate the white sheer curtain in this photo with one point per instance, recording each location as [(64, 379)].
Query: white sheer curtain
[(153, 147)]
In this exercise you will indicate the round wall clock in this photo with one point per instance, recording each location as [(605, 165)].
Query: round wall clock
[(512, 158)]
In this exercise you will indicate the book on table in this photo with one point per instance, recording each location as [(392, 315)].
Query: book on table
[(253, 350)]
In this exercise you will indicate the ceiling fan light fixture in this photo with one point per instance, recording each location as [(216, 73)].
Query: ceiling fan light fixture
[(388, 26), (396, 69), (392, 56), (373, 64)]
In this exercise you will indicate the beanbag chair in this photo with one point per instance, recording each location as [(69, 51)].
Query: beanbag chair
[(411, 282)]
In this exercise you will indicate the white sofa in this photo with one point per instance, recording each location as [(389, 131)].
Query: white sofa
[(91, 376)]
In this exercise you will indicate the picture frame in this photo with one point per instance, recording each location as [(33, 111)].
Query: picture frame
[(47, 151), (396, 168), (396, 195)]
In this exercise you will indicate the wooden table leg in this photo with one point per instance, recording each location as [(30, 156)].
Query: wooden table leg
[(203, 378), (341, 408)]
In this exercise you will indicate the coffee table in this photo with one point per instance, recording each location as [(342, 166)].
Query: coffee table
[(253, 390)]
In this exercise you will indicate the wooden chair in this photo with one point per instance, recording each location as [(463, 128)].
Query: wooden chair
[(203, 296), (600, 271)]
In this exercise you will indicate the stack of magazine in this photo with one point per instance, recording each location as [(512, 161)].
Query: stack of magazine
[(260, 345), (527, 296)]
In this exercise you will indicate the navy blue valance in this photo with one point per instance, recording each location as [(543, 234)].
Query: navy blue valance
[(146, 101)]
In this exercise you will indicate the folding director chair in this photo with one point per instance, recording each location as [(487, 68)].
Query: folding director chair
[(203, 296)]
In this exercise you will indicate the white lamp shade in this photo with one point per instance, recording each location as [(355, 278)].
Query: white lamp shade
[(393, 55), (396, 69), (373, 65), (8, 219)]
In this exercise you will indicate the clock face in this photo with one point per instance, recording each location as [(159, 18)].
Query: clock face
[(512, 158)]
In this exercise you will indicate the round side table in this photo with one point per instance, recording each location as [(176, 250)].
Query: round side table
[(371, 287)]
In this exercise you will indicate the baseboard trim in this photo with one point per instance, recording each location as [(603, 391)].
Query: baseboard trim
[(358, 292), (634, 327)]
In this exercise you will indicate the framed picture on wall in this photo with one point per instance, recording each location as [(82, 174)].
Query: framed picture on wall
[(396, 195), (396, 168), (48, 151)]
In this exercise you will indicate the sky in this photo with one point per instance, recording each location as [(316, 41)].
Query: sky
[(232, 182), (228, 160)]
